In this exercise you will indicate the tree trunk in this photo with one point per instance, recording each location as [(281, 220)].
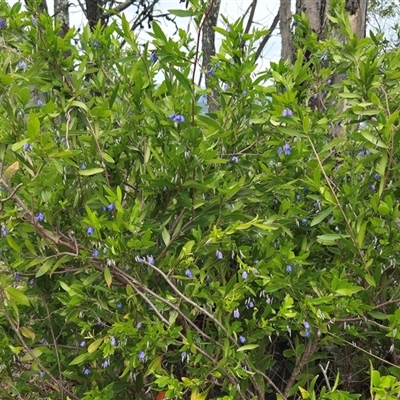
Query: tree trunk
[(62, 14), (316, 11), (358, 16), (285, 22), (93, 12), (208, 47)]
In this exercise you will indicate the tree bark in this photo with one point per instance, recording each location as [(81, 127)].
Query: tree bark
[(316, 12), (93, 12), (61, 12), (208, 47), (358, 16), (285, 21)]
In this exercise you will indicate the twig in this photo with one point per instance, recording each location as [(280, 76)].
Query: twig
[(121, 7), (55, 347), (328, 385), (266, 37), (32, 354), (346, 220), (309, 351), (92, 131), (42, 232), (165, 301), (9, 196), (252, 8), (205, 312), (128, 279)]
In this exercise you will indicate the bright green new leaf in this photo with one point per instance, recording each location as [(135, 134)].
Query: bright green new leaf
[(17, 295), (95, 345), (248, 347), (90, 171)]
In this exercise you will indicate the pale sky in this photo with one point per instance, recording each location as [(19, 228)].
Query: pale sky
[(232, 9)]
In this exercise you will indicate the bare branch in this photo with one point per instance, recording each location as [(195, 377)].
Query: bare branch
[(123, 6), (16, 330), (266, 38), (250, 21)]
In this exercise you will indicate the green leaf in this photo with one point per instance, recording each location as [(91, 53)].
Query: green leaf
[(247, 347), (375, 377), (378, 315), (348, 291), (330, 238), (90, 171), (166, 237), (113, 94), (381, 169), (80, 359), (27, 357), (19, 145), (95, 345), (33, 126), (182, 79), (374, 140), (187, 248), (321, 216), (24, 95), (291, 132), (183, 13), (125, 25), (79, 104), (158, 32), (67, 288), (13, 244), (66, 154), (154, 365), (107, 157), (45, 267), (349, 95), (195, 395), (107, 276), (370, 280), (26, 332), (18, 296), (209, 122), (361, 234)]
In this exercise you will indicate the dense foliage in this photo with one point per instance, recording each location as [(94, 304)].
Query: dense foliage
[(150, 249)]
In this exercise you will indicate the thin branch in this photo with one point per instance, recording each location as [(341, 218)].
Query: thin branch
[(128, 279), (123, 6), (144, 14), (55, 347), (32, 220), (205, 312), (10, 196), (324, 373), (14, 327), (266, 38), (309, 351), (168, 303), (329, 183), (252, 9)]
